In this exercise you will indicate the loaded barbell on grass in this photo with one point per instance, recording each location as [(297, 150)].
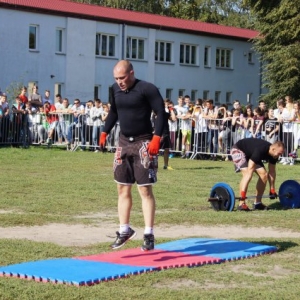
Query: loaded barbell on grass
[(222, 195)]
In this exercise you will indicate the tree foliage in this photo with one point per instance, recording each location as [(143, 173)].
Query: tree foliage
[(279, 45), (225, 12)]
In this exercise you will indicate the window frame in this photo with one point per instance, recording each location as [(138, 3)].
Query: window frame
[(133, 45), (159, 45), (36, 37), (61, 47), (207, 57), (186, 54), (105, 48), (224, 58)]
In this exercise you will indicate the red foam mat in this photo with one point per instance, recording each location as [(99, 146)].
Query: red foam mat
[(155, 258)]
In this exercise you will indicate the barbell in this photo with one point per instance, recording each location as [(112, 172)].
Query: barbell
[(222, 195)]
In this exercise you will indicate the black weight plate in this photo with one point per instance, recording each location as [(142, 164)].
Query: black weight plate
[(226, 197), (289, 194)]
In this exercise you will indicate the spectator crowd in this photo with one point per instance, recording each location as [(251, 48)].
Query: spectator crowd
[(199, 130)]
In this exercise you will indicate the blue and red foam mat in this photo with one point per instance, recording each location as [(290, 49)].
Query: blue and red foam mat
[(93, 269)]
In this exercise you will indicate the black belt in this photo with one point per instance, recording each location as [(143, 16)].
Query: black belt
[(132, 139)]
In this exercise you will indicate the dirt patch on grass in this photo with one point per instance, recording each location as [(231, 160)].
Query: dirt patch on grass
[(82, 235)]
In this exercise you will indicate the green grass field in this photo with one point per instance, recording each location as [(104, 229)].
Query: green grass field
[(44, 186)]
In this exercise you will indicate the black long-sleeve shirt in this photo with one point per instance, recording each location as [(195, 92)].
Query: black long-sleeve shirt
[(133, 109)]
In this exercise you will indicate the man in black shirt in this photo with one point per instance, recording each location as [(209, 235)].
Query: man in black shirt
[(135, 160), (248, 156)]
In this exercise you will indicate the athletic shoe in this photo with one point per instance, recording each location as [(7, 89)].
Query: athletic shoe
[(165, 167), (148, 242), (96, 151), (293, 154), (122, 238), (259, 206), (283, 160), (243, 207), (170, 168), (171, 155), (286, 162)]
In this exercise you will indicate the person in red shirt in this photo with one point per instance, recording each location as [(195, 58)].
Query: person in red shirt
[(52, 119), (23, 96)]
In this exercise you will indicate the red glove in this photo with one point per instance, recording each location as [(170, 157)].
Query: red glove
[(154, 145), (273, 195), (102, 140), (243, 196)]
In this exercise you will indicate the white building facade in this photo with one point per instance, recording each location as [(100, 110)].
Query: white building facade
[(68, 50)]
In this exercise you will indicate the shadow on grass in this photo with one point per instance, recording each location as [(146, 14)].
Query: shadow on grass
[(278, 206), (200, 168), (281, 245)]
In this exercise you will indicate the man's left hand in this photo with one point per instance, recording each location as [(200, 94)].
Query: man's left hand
[(154, 145)]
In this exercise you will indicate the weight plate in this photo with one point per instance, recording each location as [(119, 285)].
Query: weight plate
[(289, 194), (225, 194)]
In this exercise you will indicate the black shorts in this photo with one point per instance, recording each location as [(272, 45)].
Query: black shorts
[(240, 161), (132, 162), (165, 142)]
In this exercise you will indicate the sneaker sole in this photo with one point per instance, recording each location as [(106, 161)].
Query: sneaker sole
[(145, 250), (124, 242)]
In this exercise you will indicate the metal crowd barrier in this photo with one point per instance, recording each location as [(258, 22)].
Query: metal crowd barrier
[(207, 138)]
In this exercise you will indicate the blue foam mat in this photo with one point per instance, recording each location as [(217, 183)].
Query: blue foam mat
[(72, 271), (219, 248), (84, 272)]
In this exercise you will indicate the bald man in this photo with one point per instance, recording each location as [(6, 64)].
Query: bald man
[(135, 160)]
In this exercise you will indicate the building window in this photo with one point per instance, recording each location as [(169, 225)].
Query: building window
[(96, 91), (188, 54), (228, 97), (110, 93), (249, 98), (163, 51), (169, 93), (207, 56), (181, 93), (223, 58), (250, 57), (217, 97), (33, 37), (59, 42), (135, 48), (205, 95), (57, 88), (193, 95), (105, 45)]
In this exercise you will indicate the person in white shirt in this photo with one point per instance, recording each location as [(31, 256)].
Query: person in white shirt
[(96, 114)]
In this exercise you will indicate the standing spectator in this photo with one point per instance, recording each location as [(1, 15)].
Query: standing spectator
[(18, 110), (258, 122), (5, 126), (184, 115), (96, 113), (46, 97), (248, 122), (35, 98), (23, 96), (288, 116), (211, 114), (173, 127), (87, 126), (201, 129), (132, 102), (263, 107), (271, 127), (64, 119), (296, 130), (77, 110), (52, 120)]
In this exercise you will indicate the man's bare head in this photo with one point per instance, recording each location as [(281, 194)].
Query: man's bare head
[(124, 74)]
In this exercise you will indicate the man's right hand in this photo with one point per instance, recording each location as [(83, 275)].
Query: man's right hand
[(102, 141), (273, 195)]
